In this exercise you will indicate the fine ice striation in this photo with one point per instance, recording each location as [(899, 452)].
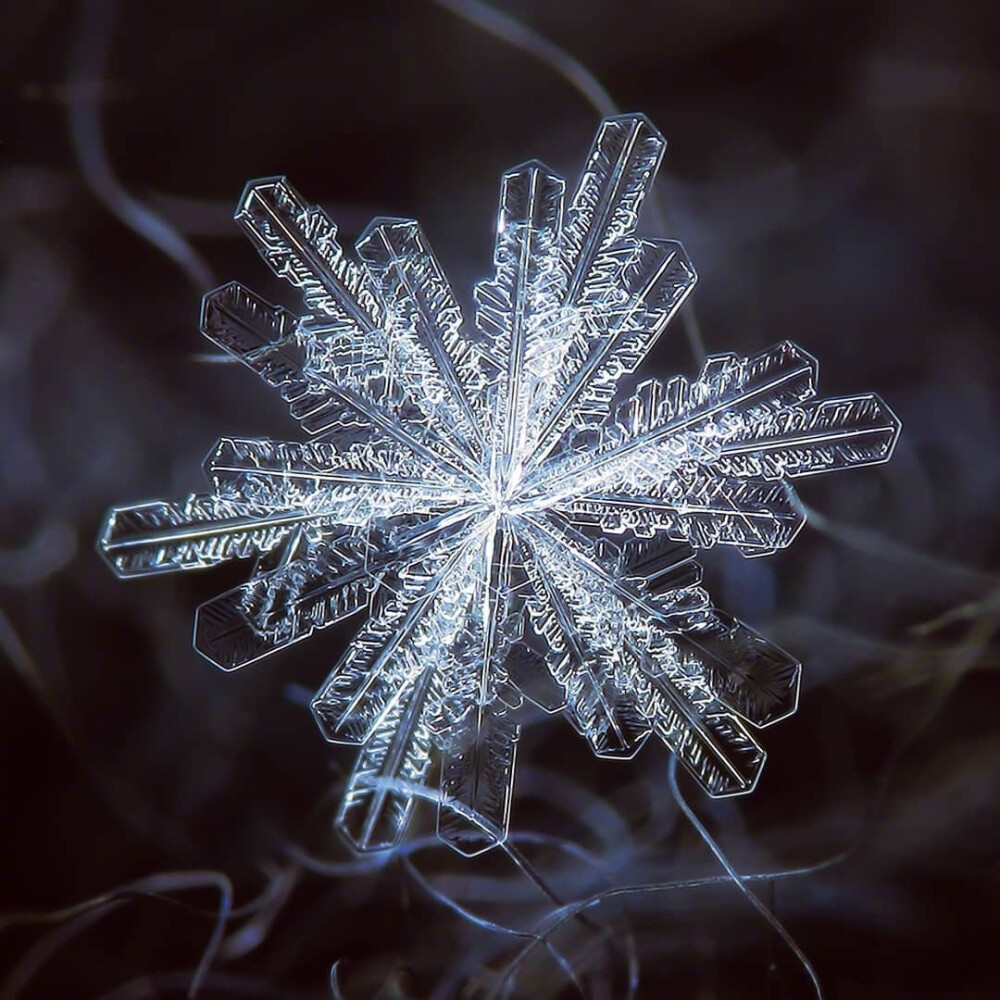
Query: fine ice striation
[(514, 526)]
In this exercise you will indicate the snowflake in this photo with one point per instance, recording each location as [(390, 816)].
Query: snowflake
[(516, 525)]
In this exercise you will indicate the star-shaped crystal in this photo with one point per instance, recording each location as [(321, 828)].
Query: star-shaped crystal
[(514, 522)]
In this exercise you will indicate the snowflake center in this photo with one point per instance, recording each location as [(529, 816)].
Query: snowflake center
[(500, 494)]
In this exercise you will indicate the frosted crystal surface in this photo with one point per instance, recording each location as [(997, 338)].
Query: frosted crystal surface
[(513, 523)]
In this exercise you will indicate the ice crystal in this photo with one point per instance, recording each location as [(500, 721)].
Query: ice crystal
[(513, 526)]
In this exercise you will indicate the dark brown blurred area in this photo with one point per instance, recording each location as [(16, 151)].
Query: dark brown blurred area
[(832, 172)]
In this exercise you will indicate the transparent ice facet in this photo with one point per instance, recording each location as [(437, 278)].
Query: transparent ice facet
[(512, 524)]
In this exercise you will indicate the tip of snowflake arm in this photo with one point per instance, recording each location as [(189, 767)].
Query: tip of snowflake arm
[(202, 531)]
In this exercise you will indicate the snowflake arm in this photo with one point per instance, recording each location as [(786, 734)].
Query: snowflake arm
[(424, 324), (755, 678), (270, 341), (375, 809), (622, 290), (478, 737), (685, 713), (610, 588), (333, 382), (311, 586), (518, 310), (416, 624), (824, 436), (699, 507), (647, 281), (661, 426), (619, 173), (368, 310), (425, 663), (678, 687), (354, 485), (579, 663), (202, 531)]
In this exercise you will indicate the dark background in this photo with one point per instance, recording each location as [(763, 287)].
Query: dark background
[(832, 171)]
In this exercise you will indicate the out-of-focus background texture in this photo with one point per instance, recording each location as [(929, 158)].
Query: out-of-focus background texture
[(832, 171)]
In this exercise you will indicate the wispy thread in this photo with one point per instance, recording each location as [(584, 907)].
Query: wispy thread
[(86, 71)]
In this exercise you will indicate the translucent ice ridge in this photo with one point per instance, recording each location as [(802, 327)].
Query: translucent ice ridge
[(512, 526)]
